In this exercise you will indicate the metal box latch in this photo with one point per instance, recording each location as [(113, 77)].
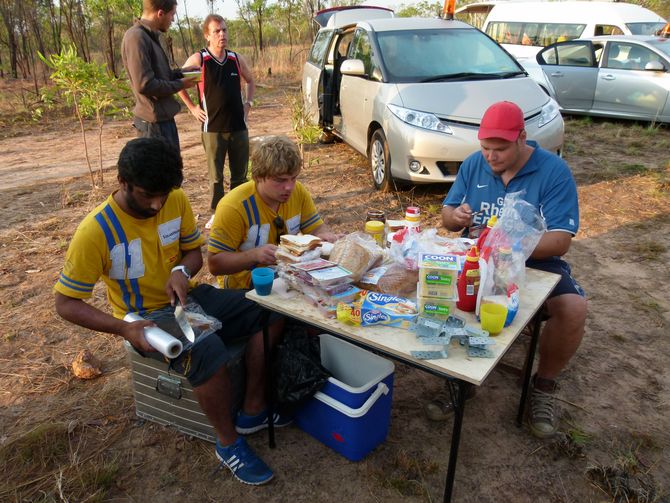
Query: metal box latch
[(169, 386)]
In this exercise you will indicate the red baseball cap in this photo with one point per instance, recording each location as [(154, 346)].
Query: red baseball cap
[(502, 120)]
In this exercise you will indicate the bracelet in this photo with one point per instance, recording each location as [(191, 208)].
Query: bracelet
[(249, 102)]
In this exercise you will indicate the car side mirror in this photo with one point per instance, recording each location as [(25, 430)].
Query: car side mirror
[(352, 67), (654, 66)]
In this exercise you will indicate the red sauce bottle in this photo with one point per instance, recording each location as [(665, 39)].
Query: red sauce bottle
[(468, 282)]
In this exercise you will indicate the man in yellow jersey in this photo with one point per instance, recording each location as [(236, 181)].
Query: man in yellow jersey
[(249, 219), (144, 244)]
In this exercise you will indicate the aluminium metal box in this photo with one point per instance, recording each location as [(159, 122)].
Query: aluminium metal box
[(167, 398)]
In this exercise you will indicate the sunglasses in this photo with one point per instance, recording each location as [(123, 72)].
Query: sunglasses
[(280, 226)]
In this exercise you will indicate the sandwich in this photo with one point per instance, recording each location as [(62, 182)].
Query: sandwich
[(297, 245)]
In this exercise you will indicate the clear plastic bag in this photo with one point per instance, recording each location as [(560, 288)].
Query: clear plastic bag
[(202, 324), (407, 246), (507, 246)]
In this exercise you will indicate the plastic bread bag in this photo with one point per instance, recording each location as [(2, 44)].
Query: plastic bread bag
[(503, 256), (358, 252)]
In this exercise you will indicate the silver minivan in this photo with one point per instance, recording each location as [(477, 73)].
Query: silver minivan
[(409, 93)]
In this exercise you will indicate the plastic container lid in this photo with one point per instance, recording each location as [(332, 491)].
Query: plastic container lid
[(374, 226)]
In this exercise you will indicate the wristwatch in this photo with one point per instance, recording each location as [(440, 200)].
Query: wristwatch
[(249, 102), (183, 269)]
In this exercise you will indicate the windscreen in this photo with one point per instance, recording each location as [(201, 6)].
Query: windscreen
[(661, 44), (424, 55)]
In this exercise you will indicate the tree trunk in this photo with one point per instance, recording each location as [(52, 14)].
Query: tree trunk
[(190, 32), (83, 136), (9, 20), (183, 39), (101, 122)]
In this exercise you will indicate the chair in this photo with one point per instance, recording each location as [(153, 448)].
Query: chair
[(637, 58)]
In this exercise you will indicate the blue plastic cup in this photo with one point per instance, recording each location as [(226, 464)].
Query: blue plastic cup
[(262, 278)]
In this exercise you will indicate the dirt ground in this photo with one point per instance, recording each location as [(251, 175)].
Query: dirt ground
[(64, 439)]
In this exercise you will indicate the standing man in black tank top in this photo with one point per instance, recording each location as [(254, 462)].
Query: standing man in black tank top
[(222, 108)]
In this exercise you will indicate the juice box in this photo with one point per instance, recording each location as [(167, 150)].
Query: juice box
[(437, 276)]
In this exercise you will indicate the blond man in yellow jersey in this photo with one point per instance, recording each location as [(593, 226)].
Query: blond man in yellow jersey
[(144, 244), (249, 219)]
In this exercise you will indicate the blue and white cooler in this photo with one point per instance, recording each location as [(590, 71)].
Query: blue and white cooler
[(352, 412)]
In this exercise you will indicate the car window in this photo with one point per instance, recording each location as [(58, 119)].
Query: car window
[(420, 55), (629, 56), (645, 28), (538, 34), (319, 47), (607, 29), (568, 54), (362, 49)]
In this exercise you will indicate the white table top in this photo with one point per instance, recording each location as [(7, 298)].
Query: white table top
[(399, 342)]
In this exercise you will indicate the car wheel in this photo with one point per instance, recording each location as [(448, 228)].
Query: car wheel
[(380, 161)]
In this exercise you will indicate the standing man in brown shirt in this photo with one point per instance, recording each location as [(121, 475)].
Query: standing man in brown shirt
[(152, 80)]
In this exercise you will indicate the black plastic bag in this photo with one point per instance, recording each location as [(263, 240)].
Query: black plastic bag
[(297, 369)]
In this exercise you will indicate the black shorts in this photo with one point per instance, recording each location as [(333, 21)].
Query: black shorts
[(567, 283), (240, 319)]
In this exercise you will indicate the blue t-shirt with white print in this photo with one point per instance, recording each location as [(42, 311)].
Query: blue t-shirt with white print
[(546, 179)]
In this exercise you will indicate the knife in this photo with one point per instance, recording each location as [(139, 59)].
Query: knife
[(182, 321)]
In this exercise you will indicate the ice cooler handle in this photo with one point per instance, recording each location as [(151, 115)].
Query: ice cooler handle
[(382, 389)]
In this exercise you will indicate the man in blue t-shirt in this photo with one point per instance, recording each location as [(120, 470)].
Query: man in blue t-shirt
[(508, 163)]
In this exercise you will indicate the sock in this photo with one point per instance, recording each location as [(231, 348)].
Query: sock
[(542, 384)]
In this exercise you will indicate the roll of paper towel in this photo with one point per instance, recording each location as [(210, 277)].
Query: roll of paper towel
[(158, 338)]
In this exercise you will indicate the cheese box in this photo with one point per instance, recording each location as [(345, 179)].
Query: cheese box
[(167, 398), (435, 308), (438, 275)]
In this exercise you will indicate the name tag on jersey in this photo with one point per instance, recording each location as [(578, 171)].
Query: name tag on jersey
[(169, 231)]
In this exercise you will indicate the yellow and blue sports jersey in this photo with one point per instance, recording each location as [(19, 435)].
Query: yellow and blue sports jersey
[(243, 221), (133, 256)]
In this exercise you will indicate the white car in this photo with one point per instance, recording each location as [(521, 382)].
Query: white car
[(623, 76), (409, 93)]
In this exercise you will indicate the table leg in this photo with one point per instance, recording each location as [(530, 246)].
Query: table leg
[(528, 370), (459, 407), (269, 378)]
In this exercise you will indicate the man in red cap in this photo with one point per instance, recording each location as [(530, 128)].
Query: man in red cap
[(507, 163)]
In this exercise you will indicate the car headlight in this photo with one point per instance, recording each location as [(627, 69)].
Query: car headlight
[(549, 113), (420, 119)]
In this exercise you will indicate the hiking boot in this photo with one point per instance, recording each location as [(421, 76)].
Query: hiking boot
[(243, 462), (441, 408), (543, 417), (246, 424)]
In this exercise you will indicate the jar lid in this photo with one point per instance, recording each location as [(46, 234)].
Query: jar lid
[(374, 226)]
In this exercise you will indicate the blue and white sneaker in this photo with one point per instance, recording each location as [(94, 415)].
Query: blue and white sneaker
[(242, 461), (245, 424)]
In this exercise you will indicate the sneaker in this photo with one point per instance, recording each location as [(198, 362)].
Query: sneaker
[(209, 223), (242, 461), (543, 418), (246, 424)]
